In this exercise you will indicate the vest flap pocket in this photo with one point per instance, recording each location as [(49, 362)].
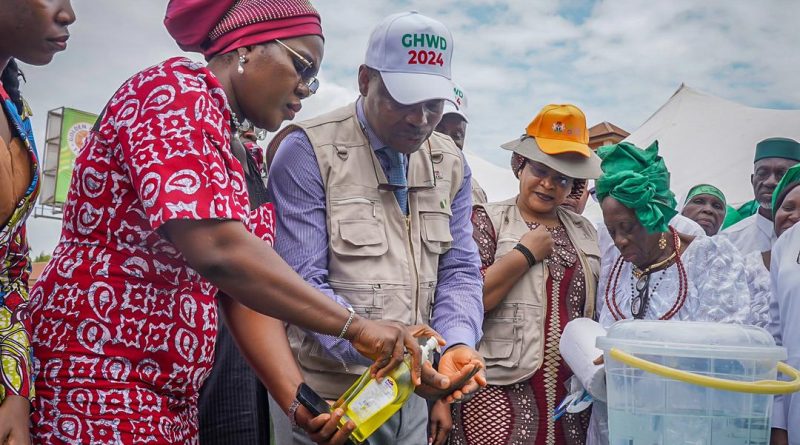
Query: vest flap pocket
[(502, 343), (436, 232), (495, 348), (361, 232), (359, 237)]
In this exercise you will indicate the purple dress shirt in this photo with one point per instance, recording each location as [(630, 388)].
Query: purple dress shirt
[(296, 187)]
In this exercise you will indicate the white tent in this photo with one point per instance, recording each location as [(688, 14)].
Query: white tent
[(706, 139), (499, 183)]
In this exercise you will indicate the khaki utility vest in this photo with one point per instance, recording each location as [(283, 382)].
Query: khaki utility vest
[(478, 195), (383, 262), (514, 331)]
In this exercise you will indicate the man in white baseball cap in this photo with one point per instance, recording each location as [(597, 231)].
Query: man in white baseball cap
[(413, 54), (454, 124), (373, 208)]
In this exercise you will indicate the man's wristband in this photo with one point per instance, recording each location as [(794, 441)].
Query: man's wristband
[(526, 253)]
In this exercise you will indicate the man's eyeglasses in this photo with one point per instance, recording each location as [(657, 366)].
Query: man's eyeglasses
[(303, 67), (429, 107)]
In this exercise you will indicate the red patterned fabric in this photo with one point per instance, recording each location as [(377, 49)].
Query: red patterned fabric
[(16, 354), (123, 328)]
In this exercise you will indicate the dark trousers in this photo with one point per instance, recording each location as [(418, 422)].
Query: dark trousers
[(233, 404)]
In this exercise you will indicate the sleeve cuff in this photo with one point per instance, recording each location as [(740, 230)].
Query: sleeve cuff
[(779, 413), (459, 335)]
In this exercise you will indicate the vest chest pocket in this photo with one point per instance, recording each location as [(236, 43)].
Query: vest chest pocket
[(436, 232), (357, 228)]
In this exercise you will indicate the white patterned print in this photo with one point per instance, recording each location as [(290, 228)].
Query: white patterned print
[(718, 288)]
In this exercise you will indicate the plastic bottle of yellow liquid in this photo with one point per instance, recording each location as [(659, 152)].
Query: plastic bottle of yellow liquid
[(369, 403)]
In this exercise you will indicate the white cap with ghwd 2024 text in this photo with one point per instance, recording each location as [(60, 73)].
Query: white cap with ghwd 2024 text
[(413, 54), (458, 105)]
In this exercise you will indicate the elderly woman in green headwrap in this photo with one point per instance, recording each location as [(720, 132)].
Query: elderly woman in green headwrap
[(705, 205), (658, 272)]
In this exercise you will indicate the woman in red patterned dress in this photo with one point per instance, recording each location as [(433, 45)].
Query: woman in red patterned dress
[(157, 221), (540, 264)]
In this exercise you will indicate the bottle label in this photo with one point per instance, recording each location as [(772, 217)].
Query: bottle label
[(374, 397)]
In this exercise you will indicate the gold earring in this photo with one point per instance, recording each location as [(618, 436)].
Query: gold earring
[(662, 242)]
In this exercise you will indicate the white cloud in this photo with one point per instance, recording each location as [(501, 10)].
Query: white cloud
[(619, 61)]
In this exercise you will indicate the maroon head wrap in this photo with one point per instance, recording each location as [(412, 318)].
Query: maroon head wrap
[(217, 26)]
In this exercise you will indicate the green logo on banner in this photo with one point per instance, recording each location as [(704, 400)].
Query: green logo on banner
[(75, 128)]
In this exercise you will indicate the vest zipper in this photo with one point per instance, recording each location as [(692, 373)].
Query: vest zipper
[(416, 272)]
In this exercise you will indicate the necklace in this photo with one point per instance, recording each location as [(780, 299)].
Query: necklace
[(613, 280), (238, 127), (638, 273)]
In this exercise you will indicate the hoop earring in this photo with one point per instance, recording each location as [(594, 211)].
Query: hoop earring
[(662, 242), (242, 61)]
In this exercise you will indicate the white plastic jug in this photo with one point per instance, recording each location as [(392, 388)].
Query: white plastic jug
[(691, 383)]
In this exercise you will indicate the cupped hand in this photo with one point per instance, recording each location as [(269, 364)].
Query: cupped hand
[(465, 368)]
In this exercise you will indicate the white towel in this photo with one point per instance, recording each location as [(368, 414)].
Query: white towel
[(578, 348)]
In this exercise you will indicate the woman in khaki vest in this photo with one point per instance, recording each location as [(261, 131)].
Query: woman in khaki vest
[(540, 264)]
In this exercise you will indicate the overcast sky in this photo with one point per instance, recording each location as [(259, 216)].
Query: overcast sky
[(618, 60)]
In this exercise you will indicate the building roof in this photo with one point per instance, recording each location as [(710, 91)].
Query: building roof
[(606, 128), (36, 271)]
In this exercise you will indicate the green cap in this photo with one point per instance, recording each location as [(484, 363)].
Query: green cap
[(705, 189), (778, 148)]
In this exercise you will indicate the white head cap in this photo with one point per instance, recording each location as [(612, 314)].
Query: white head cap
[(413, 54), (459, 104)]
